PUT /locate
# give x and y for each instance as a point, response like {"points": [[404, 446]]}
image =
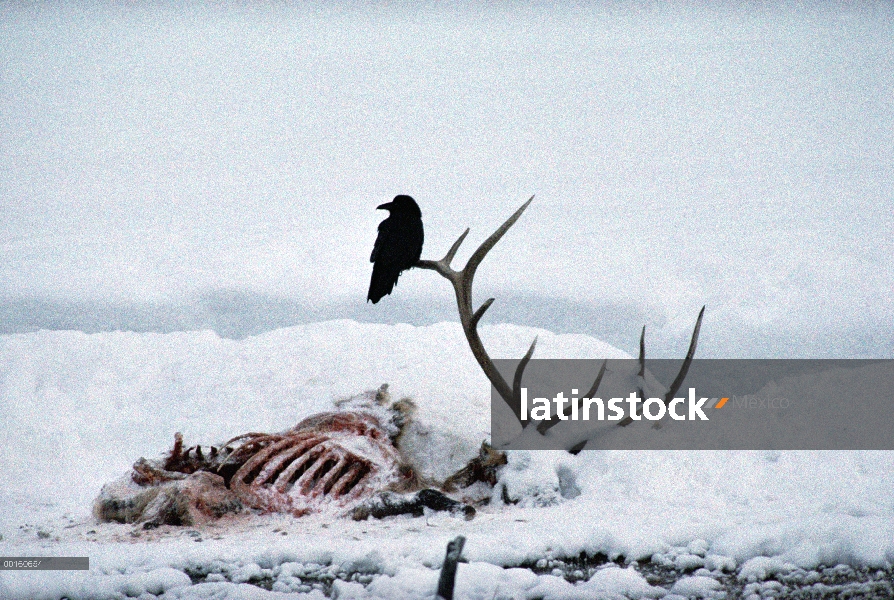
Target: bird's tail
{"points": [[380, 285]]}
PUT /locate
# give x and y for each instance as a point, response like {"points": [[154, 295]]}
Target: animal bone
{"points": [[330, 458], [462, 287], [343, 462]]}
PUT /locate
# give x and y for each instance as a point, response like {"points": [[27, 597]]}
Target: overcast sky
{"points": [[679, 157]]}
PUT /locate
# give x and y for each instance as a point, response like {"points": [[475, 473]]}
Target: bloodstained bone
{"points": [[343, 462], [331, 458]]}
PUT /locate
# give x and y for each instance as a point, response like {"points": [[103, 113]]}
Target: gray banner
{"points": [[44, 563], [721, 405]]}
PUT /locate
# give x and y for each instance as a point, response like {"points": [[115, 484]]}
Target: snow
{"points": [[614, 581], [79, 409], [696, 587], [761, 567]]}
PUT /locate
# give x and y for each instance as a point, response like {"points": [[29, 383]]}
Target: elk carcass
{"points": [[342, 463]]}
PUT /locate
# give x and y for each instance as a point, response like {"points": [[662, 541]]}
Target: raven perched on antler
{"points": [[398, 246]]}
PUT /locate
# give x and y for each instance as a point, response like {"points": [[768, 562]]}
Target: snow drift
{"points": [[78, 409]]}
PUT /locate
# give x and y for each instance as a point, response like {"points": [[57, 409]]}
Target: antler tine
{"points": [[516, 381], [480, 312], [675, 386], [448, 258], [642, 353], [596, 383], [545, 426], [443, 266], [641, 377], [484, 248]]}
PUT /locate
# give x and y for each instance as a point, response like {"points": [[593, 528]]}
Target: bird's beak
{"points": [[386, 206]]}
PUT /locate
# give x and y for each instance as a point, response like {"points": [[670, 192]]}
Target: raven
{"points": [[398, 246]]}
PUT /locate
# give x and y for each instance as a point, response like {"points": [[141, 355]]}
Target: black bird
{"points": [[398, 246]]}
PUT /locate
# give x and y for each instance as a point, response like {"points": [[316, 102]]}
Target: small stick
{"points": [[448, 572]]}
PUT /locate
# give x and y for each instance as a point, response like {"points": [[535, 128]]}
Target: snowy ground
{"points": [[79, 409]]}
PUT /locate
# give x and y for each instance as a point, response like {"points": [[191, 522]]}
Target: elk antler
{"points": [[462, 285]]}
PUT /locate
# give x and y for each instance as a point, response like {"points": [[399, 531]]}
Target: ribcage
{"points": [[329, 460]]}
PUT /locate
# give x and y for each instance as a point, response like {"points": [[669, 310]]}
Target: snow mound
{"points": [[79, 409]]}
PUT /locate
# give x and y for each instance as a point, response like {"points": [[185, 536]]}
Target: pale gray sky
{"points": [[680, 156]]}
